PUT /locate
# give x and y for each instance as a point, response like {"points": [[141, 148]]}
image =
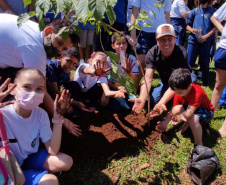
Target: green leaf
{"points": [[129, 78], [61, 31], [97, 8], [82, 9], [105, 26], [22, 19], [153, 13], [26, 2], [111, 15], [112, 2], [65, 34], [130, 88], [77, 29], [113, 56], [122, 81], [60, 6], [41, 24], [115, 70], [131, 27], [138, 27], [98, 24]]}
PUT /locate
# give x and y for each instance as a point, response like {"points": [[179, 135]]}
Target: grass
{"points": [[168, 158]]}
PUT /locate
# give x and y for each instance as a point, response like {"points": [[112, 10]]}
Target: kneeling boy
{"points": [[191, 105]]}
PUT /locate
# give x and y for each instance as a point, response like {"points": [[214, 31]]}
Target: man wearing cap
{"points": [[164, 57]]}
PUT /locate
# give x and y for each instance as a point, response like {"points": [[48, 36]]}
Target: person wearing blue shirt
{"points": [[120, 10], [201, 28], [58, 71]]}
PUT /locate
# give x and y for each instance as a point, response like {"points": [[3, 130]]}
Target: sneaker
{"points": [[218, 107]]}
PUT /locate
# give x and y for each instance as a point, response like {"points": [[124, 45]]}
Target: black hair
{"points": [[114, 38], [60, 23], [180, 79], [28, 70], [71, 52]]}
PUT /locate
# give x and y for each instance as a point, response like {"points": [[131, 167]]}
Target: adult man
{"points": [[146, 38], [165, 57], [28, 47]]}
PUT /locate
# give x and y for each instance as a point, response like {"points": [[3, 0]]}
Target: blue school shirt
{"points": [[54, 73], [200, 17], [88, 26], [120, 10]]}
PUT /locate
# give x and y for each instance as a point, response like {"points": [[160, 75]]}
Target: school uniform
{"points": [[200, 18], [177, 21]]}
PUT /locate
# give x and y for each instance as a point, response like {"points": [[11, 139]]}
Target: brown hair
{"points": [[28, 70], [98, 53]]}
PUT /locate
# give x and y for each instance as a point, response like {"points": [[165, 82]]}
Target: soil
{"points": [[110, 135]]}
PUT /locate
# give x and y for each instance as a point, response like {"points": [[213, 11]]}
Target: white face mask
{"points": [[29, 100]]}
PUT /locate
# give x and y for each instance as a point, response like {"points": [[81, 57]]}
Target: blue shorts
{"points": [[146, 41], [204, 115], [33, 167], [220, 58]]}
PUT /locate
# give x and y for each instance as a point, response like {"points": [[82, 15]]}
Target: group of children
{"points": [[91, 86]]}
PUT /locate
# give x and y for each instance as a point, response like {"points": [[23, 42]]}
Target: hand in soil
{"points": [[72, 128], [138, 105]]}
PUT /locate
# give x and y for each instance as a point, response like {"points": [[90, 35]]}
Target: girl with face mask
{"points": [[26, 123]]}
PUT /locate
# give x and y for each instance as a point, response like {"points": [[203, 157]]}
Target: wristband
{"points": [[58, 121]]}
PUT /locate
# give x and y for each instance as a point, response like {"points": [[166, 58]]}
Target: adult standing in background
{"points": [[178, 16], [147, 38], [103, 38], [220, 61]]}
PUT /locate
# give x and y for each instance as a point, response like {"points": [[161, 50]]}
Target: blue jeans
{"points": [[146, 41], [203, 50], [223, 98]]}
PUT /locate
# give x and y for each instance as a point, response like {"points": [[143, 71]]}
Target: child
{"points": [[201, 28], [120, 46], [58, 71], [191, 105], [86, 40], [91, 84], [27, 123]]}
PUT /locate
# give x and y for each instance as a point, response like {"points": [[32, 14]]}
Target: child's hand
{"points": [[72, 128], [4, 94], [120, 93], [177, 118], [57, 118], [129, 65], [100, 68], [202, 38], [64, 102], [195, 31], [159, 107], [81, 106]]}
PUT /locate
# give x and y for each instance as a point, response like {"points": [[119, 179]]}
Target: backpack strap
{"points": [[3, 134]]}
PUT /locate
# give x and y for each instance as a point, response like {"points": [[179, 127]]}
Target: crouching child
{"points": [[190, 105]]}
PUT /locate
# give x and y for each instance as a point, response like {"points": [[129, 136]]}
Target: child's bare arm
{"points": [[53, 88], [185, 115], [192, 30], [109, 93]]}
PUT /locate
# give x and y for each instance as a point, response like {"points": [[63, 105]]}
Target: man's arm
{"points": [[144, 92]]}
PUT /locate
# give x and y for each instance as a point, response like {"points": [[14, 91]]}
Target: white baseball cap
{"points": [[165, 29]]}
